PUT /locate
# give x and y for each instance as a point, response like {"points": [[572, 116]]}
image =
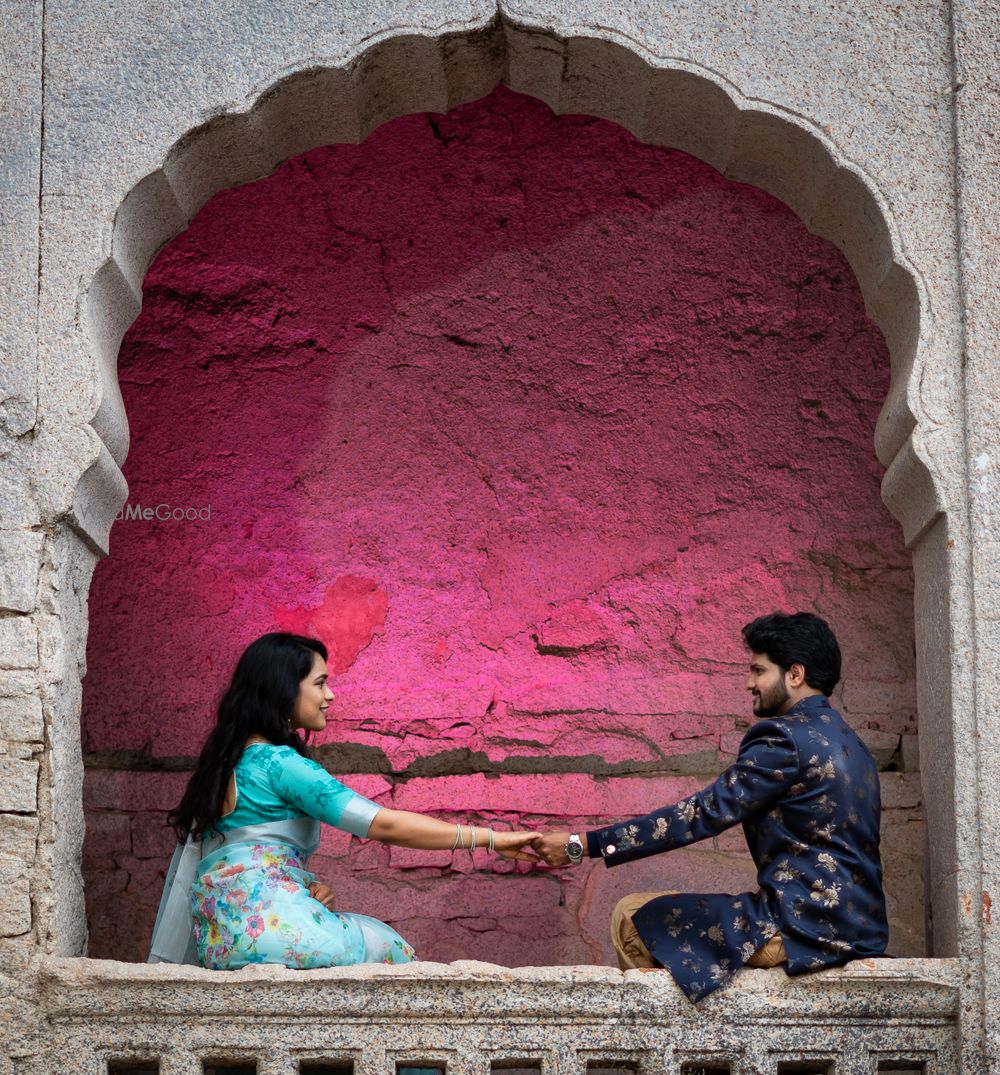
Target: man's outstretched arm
{"points": [[767, 765]]}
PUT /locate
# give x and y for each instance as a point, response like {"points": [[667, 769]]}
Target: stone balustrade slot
{"points": [[704, 1065], [825, 1066]]}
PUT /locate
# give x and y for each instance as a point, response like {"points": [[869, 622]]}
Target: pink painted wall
{"points": [[525, 419]]}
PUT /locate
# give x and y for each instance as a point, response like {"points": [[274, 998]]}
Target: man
{"points": [[806, 791]]}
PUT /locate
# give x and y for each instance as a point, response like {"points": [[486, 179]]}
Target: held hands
{"points": [[512, 845], [534, 847], [551, 848]]}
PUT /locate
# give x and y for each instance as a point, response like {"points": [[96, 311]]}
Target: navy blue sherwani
{"points": [[806, 790]]}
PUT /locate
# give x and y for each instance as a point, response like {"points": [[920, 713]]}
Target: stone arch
{"points": [[671, 103], [677, 105]]}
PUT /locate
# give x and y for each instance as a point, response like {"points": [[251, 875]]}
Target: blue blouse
{"points": [[276, 783]]}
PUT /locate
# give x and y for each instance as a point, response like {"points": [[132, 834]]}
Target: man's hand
{"points": [[551, 848], [322, 893], [513, 845]]}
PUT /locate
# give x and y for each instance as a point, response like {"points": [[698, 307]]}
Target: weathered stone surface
{"points": [[884, 746], [150, 836], [18, 642], [909, 749], [20, 175], [881, 117], [974, 29], [518, 596], [113, 789], [18, 785], [904, 851], [18, 838], [21, 719], [15, 907], [17, 684], [20, 551], [109, 836], [420, 1012]]}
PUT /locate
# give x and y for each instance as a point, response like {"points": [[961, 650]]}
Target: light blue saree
{"points": [[241, 894]]}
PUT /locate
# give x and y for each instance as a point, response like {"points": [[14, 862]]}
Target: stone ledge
{"points": [[894, 991]]}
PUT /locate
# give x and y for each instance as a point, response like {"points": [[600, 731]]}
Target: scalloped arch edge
{"points": [[663, 101]]}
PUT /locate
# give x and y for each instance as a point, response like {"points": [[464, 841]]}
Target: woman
{"points": [[238, 890]]}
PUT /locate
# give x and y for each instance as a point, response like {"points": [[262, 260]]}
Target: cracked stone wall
{"points": [[525, 419]]}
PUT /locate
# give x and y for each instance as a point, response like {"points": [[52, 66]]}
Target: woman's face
{"points": [[314, 699]]}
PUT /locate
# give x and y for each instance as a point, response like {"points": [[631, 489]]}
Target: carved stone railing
{"points": [[474, 1018]]}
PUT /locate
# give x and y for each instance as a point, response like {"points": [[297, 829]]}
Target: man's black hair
{"points": [[797, 638]]}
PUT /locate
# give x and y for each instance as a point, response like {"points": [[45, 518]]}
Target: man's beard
{"points": [[769, 703]]}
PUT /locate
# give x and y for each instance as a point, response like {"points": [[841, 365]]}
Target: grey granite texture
{"points": [[20, 170], [876, 123], [976, 42], [58, 902], [20, 552], [468, 1015]]}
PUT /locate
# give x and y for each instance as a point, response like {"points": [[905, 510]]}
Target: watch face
{"points": [[574, 849]]}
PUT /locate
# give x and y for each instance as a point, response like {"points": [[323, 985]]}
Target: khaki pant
{"points": [[632, 953]]}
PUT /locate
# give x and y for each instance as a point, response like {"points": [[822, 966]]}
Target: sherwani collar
{"points": [[809, 703]]}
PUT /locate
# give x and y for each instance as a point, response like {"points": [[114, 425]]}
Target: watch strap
{"points": [[575, 849]]}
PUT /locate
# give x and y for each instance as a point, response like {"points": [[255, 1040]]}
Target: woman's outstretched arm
{"points": [[406, 829], [307, 785]]}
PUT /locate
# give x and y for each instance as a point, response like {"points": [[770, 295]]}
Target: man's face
{"points": [[766, 683]]}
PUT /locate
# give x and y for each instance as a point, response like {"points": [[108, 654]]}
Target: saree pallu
{"points": [[243, 897]]}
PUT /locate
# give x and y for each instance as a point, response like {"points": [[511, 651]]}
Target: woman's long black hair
{"points": [[260, 700]]}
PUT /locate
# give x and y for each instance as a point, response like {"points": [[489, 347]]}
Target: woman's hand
{"points": [[322, 893], [514, 845]]}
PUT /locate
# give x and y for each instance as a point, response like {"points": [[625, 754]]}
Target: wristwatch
{"points": [[574, 849]]}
